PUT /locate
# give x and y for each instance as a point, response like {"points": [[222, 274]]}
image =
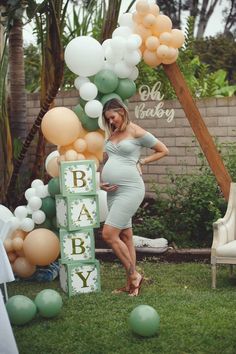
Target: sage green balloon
{"points": [[20, 309], [82, 102], [106, 81], [48, 302], [144, 321], [126, 88], [49, 207], [109, 97], [45, 225], [54, 186], [79, 111], [89, 124]]}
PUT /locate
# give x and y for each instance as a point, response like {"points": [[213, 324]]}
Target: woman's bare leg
{"points": [[126, 236]]}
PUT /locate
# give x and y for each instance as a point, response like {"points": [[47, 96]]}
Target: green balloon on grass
{"points": [[54, 186], [144, 321], [49, 207], [126, 88], [106, 81], [89, 124], [109, 97], [48, 302], [20, 309]]}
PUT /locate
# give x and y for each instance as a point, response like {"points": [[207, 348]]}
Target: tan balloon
{"points": [[89, 156], [19, 233], [61, 158], [53, 167], [95, 141], [177, 38], [151, 59], [170, 60], [7, 243], [70, 155], [149, 20], [162, 51], [163, 24], [63, 149], [80, 145], [99, 155], [80, 156], [154, 9], [12, 256], [61, 126], [17, 243], [165, 38], [152, 43], [142, 6], [41, 247], [142, 31], [23, 267], [137, 18]]}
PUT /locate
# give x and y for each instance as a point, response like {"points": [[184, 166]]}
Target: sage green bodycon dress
{"points": [[121, 169]]}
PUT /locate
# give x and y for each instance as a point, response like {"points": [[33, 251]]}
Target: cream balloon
{"points": [[163, 24], [151, 59], [177, 38], [61, 126], [95, 142], [71, 155], [23, 267], [152, 43], [80, 145]]}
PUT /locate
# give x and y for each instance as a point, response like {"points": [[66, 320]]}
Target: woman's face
{"points": [[114, 118]]}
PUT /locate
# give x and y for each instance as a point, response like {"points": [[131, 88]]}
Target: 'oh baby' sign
{"points": [[141, 111]]}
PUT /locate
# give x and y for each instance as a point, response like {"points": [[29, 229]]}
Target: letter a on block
{"points": [[84, 211], [83, 278]]}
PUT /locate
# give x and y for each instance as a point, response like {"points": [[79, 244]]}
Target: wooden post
{"points": [[199, 127]]}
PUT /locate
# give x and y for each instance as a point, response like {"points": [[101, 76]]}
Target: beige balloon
{"points": [[142, 31], [41, 247], [94, 141], [17, 243], [80, 145], [177, 38], [12, 256], [137, 18], [163, 24], [63, 149], [162, 51], [7, 243], [152, 43], [80, 156], [154, 9], [142, 6], [53, 167], [151, 59], [149, 20], [71, 155], [165, 38], [61, 126], [23, 267], [93, 157], [19, 233]]}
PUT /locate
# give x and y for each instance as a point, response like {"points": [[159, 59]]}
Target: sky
{"points": [[213, 25]]}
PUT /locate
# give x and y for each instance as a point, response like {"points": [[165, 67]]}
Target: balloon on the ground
{"points": [[84, 56], [54, 186], [20, 309], [23, 268], [41, 247], [60, 126], [144, 321], [48, 302]]}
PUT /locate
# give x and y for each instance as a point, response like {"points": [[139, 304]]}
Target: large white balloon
{"points": [[122, 69], [93, 108], [122, 31], [5, 213], [84, 56], [126, 20], [133, 57]]}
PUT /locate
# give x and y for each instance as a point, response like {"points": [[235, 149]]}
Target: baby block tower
{"points": [[77, 216]]}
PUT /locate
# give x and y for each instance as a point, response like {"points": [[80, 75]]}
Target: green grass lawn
{"points": [[193, 317]]}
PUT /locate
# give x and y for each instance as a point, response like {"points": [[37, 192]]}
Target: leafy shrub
{"points": [[183, 212]]}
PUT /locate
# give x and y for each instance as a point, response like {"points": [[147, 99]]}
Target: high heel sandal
{"points": [[133, 288]]}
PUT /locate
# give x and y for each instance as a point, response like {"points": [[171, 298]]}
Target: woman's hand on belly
{"points": [[108, 187]]}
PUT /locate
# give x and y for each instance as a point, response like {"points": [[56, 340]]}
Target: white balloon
{"points": [[126, 19], [93, 108], [38, 217], [132, 58], [35, 203], [30, 192], [111, 56], [122, 31], [134, 41], [27, 225], [98, 180], [84, 56], [88, 91], [29, 210], [36, 183], [118, 44], [106, 43], [51, 156], [102, 200], [79, 81], [5, 213], [134, 74], [42, 191], [100, 123], [108, 66], [21, 212], [122, 69], [15, 222]]}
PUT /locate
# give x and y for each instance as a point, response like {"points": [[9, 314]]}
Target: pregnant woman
{"points": [[121, 179]]}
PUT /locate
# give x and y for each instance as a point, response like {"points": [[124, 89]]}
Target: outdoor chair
{"points": [[223, 250]]}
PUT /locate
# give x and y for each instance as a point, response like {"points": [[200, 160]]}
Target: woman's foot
{"points": [[125, 289], [135, 285]]}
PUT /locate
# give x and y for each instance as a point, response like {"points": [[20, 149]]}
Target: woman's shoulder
{"points": [[137, 131]]}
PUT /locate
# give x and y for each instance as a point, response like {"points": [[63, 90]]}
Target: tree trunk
{"points": [[110, 23], [205, 15]]}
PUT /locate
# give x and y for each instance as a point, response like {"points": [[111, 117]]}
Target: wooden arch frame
{"points": [[199, 127]]}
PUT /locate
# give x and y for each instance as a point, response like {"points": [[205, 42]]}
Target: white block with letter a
{"points": [[77, 177], [80, 277], [77, 245], [77, 211]]}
